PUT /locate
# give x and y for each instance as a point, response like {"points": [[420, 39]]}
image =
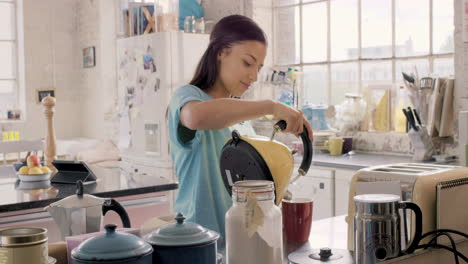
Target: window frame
{"points": [[19, 59], [359, 60]]}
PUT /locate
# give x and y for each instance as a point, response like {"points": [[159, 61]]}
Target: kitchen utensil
{"points": [[262, 158], [408, 78], [113, 247], [297, 219], [334, 146], [377, 229], [253, 225], [412, 118], [21, 245], [183, 242], [323, 255], [416, 115], [82, 213], [347, 144]]}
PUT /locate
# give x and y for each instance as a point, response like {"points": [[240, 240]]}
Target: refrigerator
{"points": [[150, 68]]}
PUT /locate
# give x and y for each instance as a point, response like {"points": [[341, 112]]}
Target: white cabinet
{"points": [[318, 185], [342, 182]]}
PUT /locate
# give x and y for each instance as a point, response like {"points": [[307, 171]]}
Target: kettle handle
{"points": [[308, 150], [118, 208], [418, 232]]}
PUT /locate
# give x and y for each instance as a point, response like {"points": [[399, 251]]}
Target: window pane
{"points": [[7, 21], [315, 84], [310, 1], [409, 66], [412, 27], [7, 87], [8, 99], [376, 28], [443, 26], [285, 2], [344, 80], [7, 55], [344, 29], [376, 72], [314, 32], [443, 67], [287, 35]]}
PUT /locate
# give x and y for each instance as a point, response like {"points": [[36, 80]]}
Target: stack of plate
{"points": [[320, 137]]}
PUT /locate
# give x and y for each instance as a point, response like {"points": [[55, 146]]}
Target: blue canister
{"points": [[183, 242], [315, 114], [113, 247]]}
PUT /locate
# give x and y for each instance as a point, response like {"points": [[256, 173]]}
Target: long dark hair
{"points": [[228, 31]]}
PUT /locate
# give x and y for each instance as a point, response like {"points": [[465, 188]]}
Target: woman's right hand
{"points": [[295, 120]]}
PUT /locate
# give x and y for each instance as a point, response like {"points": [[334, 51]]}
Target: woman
{"points": [[200, 114]]}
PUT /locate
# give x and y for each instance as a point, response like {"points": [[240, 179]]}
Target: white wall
{"points": [[97, 27], [51, 58]]}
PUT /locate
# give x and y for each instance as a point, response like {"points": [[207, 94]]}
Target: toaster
{"points": [[418, 184]]}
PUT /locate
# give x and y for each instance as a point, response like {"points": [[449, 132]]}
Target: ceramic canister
{"points": [[183, 242], [113, 247], [21, 245]]}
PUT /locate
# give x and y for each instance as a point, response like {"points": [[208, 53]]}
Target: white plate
{"points": [[34, 177]]}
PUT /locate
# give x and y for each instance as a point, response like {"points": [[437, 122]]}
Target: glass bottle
{"points": [[254, 225]]}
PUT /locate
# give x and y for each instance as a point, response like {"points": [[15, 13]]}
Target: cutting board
{"points": [[447, 116]]}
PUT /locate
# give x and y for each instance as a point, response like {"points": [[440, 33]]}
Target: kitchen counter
{"points": [[17, 196], [329, 232], [362, 160], [332, 233]]}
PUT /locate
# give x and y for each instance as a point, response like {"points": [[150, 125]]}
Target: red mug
{"points": [[297, 219]]}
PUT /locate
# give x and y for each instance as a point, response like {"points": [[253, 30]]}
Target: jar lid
{"points": [[112, 246], [181, 234], [253, 185], [377, 198], [22, 236]]}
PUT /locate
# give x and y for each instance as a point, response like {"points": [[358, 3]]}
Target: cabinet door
{"points": [[318, 186], [342, 183]]}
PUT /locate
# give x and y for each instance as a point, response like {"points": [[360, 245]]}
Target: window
{"points": [[12, 60], [344, 45]]}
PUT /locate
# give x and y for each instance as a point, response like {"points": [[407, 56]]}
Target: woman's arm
{"points": [[224, 112]]}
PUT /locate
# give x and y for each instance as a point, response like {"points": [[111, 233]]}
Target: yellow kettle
{"points": [[262, 158]]}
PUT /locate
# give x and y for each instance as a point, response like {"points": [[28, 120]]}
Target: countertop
{"points": [[17, 195], [329, 232], [362, 160], [332, 233]]}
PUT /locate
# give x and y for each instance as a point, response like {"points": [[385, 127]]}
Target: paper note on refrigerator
{"points": [[124, 131]]}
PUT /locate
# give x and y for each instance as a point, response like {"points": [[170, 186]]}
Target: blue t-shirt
{"points": [[202, 197]]}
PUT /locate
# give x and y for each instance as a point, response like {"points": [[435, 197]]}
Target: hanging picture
{"points": [[43, 93], [89, 57]]}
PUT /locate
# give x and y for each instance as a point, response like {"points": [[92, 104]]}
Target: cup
{"points": [[297, 219], [347, 144], [334, 145]]}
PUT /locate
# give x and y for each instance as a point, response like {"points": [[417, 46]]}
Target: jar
{"points": [[183, 242], [254, 225], [23, 245], [113, 248], [167, 15]]}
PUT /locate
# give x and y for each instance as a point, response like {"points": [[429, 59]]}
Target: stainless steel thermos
{"points": [[377, 229]]}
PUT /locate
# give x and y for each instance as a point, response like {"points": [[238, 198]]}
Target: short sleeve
{"points": [[182, 96]]}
